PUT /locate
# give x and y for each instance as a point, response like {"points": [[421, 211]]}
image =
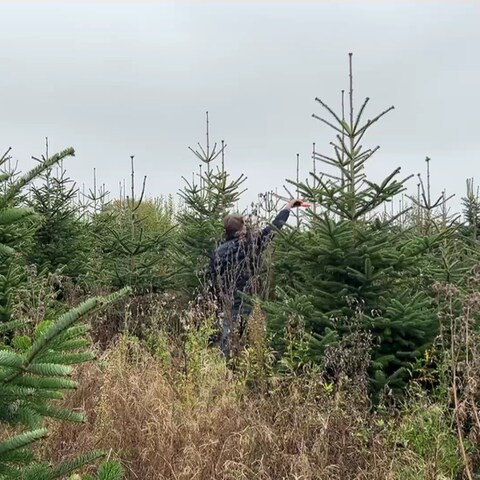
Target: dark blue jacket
{"points": [[235, 262]]}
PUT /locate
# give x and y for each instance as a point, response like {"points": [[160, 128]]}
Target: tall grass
{"points": [[171, 413]]}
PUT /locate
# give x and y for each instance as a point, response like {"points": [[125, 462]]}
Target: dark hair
{"points": [[233, 225]]}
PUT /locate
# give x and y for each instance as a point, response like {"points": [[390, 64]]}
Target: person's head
{"points": [[234, 226]]}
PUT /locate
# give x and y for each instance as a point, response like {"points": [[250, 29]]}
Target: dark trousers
{"points": [[234, 322]]}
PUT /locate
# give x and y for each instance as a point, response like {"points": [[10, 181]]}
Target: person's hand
{"points": [[295, 202]]}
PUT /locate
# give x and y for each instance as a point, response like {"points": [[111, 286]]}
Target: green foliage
{"points": [[35, 376], [109, 470], [16, 228], [471, 211], [424, 432], [130, 245], [331, 273]]}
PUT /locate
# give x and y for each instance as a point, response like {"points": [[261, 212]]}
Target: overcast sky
{"points": [[115, 80]]}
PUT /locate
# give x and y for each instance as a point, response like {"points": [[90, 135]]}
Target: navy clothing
{"points": [[233, 270]]}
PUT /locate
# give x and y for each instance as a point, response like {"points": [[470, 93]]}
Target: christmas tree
{"points": [[353, 267], [60, 241], [131, 236], [207, 198]]}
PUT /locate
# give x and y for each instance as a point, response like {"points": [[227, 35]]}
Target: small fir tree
{"points": [[131, 239], [471, 212], [61, 241], [13, 233], [451, 259], [207, 198]]}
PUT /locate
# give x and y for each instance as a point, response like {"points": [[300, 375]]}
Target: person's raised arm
{"points": [[280, 219]]}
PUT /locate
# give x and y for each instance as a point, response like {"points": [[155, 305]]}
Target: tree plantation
{"points": [[358, 358]]}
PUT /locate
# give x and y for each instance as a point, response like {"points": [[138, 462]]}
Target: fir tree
{"points": [[471, 212], [60, 242], [351, 262], [451, 259], [207, 198], [13, 233], [131, 239]]}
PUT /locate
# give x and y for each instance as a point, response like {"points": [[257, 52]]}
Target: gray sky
{"points": [[113, 80]]}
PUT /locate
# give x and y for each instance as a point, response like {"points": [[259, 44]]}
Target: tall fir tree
{"points": [[352, 266]]}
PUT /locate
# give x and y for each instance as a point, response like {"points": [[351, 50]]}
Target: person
{"points": [[234, 266]]}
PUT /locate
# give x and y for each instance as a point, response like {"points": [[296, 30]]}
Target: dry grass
{"points": [[204, 424], [174, 410]]}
